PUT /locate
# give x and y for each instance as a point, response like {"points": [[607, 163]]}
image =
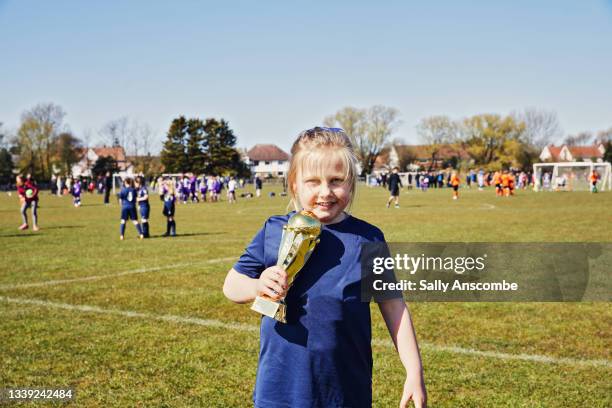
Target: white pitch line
{"points": [[113, 275], [254, 329]]}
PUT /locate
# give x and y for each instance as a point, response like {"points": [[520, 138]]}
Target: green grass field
{"points": [[144, 323]]}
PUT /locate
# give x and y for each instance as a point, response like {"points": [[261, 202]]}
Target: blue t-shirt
{"points": [[322, 357], [142, 191], [128, 197]]}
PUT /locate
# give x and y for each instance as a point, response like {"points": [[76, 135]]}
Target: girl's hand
{"points": [[414, 389], [272, 283]]}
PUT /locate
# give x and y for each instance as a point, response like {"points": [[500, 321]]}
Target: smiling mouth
{"points": [[325, 204]]}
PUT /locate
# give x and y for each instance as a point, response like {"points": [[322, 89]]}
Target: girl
{"points": [[76, 193], [231, 190], [127, 196], [322, 357], [28, 197], [143, 204], [203, 188], [455, 181], [168, 211]]}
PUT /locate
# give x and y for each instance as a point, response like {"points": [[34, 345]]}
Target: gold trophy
{"points": [[300, 236]]}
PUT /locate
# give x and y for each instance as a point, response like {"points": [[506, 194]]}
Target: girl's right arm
{"points": [[241, 288]]}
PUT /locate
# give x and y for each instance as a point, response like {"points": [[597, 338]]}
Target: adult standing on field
{"points": [[108, 184], [258, 185], [394, 185]]}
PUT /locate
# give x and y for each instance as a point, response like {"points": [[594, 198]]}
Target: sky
{"points": [[274, 68]]}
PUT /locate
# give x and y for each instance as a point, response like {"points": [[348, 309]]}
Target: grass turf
{"points": [[127, 360]]}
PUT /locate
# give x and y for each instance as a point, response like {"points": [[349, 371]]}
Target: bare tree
{"points": [[382, 122], [437, 131], [541, 126], [116, 131], [604, 136], [369, 130], [581, 138], [36, 137], [354, 122]]}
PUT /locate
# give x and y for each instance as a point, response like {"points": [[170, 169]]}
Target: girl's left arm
{"points": [[398, 321]]}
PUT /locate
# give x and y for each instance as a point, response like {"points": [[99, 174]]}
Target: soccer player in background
{"points": [[455, 181], [127, 196], [76, 193], [395, 183], [505, 183], [28, 198], [511, 183], [231, 190], [594, 177], [497, 182], [169, 208], [142, 197]]}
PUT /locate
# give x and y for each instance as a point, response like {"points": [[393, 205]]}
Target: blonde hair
{"points": [[311, 147]]}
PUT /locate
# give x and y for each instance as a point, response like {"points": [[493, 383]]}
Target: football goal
{"points": [[570, 176]]}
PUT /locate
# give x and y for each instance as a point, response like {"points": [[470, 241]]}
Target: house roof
{"points": [[555, 152], [577, 152], [267, 152], [421, 153], [117, 152], [585, 151]]}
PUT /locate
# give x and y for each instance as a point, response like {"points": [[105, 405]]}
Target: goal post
{"points": [[570, 176]]}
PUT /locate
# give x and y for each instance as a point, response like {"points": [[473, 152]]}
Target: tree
{"points": [[104, 164], [369, 130], [435, 132], [197, 159], [608, 152], [36, 138], [173, 154], [116, 131], [604, 136], [541, 126], [222, 156], [405, 155], [68, 151], [6, 166], [494, 141], [581, 138]]}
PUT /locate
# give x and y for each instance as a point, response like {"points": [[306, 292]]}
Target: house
{"points": [[565, 153], [91, 154], [415, 157], [267, 161]]}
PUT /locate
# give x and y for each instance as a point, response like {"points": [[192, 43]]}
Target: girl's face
{"points": [[324, 191]]}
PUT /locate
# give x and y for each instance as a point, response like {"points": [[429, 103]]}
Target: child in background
{"points": [[143, 204], [127, 196], [455, 181], [231, 190], [394, 187], [322, 356], [203, 188], [497, 181], [505, 183], [594, 177], [28, 198], [76, 193], [511, 183], [218, 188], [169, 207]]}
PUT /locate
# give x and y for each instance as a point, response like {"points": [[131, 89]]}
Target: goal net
{"points": [[571, 176], [408, 178]]}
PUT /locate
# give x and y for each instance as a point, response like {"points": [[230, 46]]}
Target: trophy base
{"points": [[270, 308]]}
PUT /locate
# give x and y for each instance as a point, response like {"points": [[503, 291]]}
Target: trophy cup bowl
{"points": [[300, 236]]}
